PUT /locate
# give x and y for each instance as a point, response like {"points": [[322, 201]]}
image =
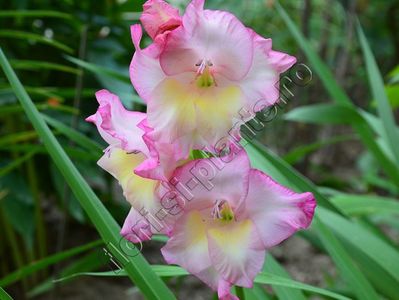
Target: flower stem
{"points": [[240, 292]]}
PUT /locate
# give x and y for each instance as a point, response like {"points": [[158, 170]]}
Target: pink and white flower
{"points": [[159, 18], [224, 233], [133, 159], [199, 75]]}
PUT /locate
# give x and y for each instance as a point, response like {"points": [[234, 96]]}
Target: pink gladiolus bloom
{"points": [[235, 215], [199, 76], [159, 18], [134, 161]]}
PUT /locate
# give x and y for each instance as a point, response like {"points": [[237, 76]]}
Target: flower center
{"points": [[204, 75], [223, 211]]}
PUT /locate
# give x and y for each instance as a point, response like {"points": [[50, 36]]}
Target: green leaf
{"points": [[323, 114], [361, 205], [17, 162], [45, 262], [392, 92], [338, 114], [12, 109], [160, 270], [339, 96], [74, 135], [111, 79], [262, 278], [87, 263], [37, 91], [37, 65], [137, 267], [298, 153], [15, 34], [68, 200], [18, 206], [98, 69], [382, 280], [356, 235], [160, 238], [378, 90], [35, 14], [4, 295], [71, 151], [319, 66], [349, 271], [17, 137], [274, 280], [256, 293], [273, 267], [362, 245], [284, 173]]}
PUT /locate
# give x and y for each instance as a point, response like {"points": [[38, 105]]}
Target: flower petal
{"points": [[281, 61], [236, 251], [203, 181], [276, 211], [213, 279], [162, 165], [190, 116], [172, 113], [136, 228], [118, 126], [145, 70], [261, 85], [208, 35], [224, 292], [159, 17], [188, 245], [138, 191]]}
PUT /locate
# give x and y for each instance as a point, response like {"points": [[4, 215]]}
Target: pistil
{"points": [[204, 75]]}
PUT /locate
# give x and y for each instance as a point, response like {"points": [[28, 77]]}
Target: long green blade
{"points": [[384, 257], [35, 14], [45, 262], [17, 162], [378, 90], [300, 152], [36, 65], [16, 34], [160, 270], [269, 278], [339, 96], [4, 295], [357, 236], [74, 135], [98, 69], [283, 293], [348, 269], [137, 267], [262, 278], [364, 205]]}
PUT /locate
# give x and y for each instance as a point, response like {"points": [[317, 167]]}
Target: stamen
{"points": [[205, 76], [223, 211], [216, 208], [201, 67]]}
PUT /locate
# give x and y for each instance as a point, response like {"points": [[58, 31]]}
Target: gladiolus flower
{"points": [[235, 215], [202, 74], [134, 161], [159, 18]]}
